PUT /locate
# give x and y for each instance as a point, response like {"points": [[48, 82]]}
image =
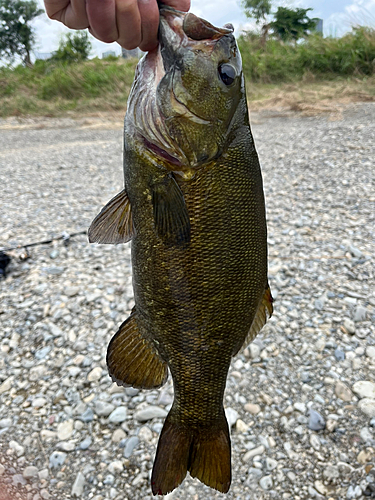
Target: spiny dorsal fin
{"points": [[114, 223], [172, 223], [264, 312], [133, 360]]}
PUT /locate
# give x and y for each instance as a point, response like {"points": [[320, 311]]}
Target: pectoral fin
{"points": [[264, 312], [171, 218], [114, 223], [133, 360]]}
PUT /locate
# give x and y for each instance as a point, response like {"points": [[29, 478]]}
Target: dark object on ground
{"points": [[4, 262]]}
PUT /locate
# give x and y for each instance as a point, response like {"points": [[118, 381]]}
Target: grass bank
{"points": [[54, 89], [305, 76]]}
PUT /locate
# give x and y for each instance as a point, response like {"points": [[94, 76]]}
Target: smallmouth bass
{"points": [[193, 208]]}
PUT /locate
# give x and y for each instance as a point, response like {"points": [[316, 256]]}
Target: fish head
{"points": [[187, 90]]}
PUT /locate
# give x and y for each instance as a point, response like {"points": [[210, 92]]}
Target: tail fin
{"points": [[205, 453]]}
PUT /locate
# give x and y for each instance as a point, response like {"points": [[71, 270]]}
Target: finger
{"points": [[71, 13], [102, 18], [128, 24], [183, 5], [149, 13]]}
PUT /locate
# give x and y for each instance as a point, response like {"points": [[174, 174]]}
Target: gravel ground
{"points": [[301, 399]]}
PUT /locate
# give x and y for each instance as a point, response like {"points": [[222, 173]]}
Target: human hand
{"points": [[131, 23]]}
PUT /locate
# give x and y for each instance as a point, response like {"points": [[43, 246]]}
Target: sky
{"points": [[338, 17]]}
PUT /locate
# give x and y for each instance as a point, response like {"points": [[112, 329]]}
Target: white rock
{"points": [[116, 467], [20, 450], [364, 389], [367, 406], [301, 407], [253, 453], [118, 435], [95, 374], [315, 442], [145, 434], [370, 351], [118, 415], [6, 385], [103, 409], [266, 482], [241, 426], [30, 472], [149, 413], [254, 350], [232, 416], [271, 464], [254, 409], [65, 430], [39, 402], [77, 489]]}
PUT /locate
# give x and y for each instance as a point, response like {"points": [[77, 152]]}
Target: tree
{"points": [[292, 24], [17, 37], [74, 47], [259, 10]]}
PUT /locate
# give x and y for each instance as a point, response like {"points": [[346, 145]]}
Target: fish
{"points": [[193, 208]]}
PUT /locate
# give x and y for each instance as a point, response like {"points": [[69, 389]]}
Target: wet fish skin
{"points": [[193, 207]]}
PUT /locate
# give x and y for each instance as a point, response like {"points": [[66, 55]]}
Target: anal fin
{"points": [[133, 360], [114, 223]]}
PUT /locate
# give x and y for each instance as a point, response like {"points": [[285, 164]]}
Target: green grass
{"points": [[324, 58], [52, 88], [302, 71]]}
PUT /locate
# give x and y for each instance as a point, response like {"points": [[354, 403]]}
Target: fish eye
{"points": [[227, 73]]}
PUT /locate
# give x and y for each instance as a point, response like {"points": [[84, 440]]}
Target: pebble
{"points": [[253, 453], [254, 409], [116, 467], [364, 389], [78, 485], [56, 459], [232, 416], [241, 426], [353, 492], [65, 430], [271, 464], [86, 443], [266, 482], [87, 415], [17, 448], [103, 409], [367, 406], [316, 421], [130, 444], [315, 442], [349, 325], [145, 434], [118, 415], [343, 392], [360, 314], [149, 413], [95, 374], [30, 472], [118, 435]]}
